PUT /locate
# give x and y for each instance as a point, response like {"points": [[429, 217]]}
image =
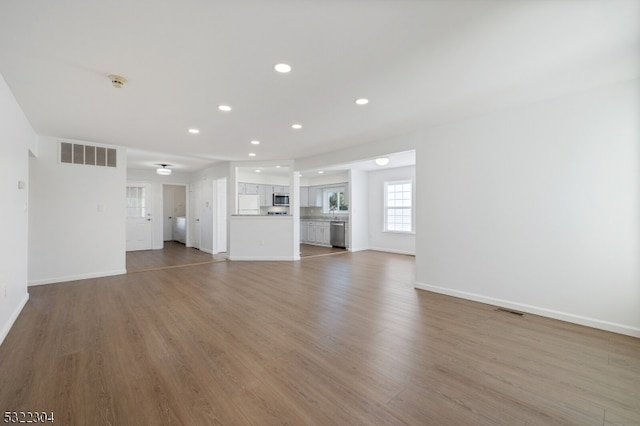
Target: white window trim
{"points": [[325, 200], [386, 184]]}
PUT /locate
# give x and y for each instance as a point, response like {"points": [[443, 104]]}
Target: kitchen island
{"points": [[263, 237]]}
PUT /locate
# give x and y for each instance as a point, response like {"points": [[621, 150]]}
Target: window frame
{"points": [[386, 206], [326, 203], [138, 203]]}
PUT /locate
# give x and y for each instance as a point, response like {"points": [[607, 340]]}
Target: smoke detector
{"points": [[117, 80]]}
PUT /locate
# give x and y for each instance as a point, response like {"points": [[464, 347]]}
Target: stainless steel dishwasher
{"points": [[337, 234]]}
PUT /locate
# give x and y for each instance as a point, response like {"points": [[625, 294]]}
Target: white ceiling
{"points": [[420, 63]]}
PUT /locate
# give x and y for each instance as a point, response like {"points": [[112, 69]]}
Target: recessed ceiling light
{"points": [[296, 126], [362, 101], [194, 131], [258, 170], [382, 161], [282, 68], [277, 167], [320, 172], [225, 108], [252, 154], [255, 142]]}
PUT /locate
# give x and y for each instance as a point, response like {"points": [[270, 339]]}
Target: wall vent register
{"points": [[74, 153]]}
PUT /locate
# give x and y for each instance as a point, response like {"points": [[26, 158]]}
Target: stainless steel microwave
{"points": [[281, 200]]}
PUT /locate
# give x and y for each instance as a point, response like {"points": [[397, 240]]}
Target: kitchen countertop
{"points": [[326, 219], [261, 215]]}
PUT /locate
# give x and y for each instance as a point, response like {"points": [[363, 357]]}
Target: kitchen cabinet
{"points": [[315, 232], [304, 196], [304, 231], [179, 229], [252, 188], [325, 233], [315, 196], [266, 198], [248, 188]]}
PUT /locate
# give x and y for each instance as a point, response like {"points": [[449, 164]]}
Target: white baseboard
{"points": [[549, 313], [262, 259], [76, 277], [387, 250], [12, 319]]}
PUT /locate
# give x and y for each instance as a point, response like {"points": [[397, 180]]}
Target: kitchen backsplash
{"points": [[313, 212]]}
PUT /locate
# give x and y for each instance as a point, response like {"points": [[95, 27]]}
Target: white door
{"points": [[168, 212], [194, 202], [206, 216], [138, 210], [221, 215]]}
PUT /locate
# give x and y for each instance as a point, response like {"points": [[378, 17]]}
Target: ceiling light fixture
{"points": [[194, 131], [362, 101], [117, 80], [383, 161], [163, 170], [255, 142], [320, 172], [252, 154], [282, 68], [225, 108], [258, 171], [296, 126]]}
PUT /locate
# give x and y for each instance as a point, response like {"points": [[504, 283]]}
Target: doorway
{"points": [[174, 212]]}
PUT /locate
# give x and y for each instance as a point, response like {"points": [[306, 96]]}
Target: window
{"points": [[136, 201], [398, 206], [335, 200]]}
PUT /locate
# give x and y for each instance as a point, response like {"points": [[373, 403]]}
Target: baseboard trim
{"points": [[76, 277], [536, 310], [262, 259], [12, 319], [386, 250]]}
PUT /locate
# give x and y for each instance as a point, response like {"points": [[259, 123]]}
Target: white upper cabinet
{"points": [[304, 196]]}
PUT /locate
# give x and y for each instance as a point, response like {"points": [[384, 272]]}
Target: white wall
{"points": [[358, 210], [76, 217], [263, 238], [388, 241], [324, 179], [250, 176], [538, 208], [16, 139]]}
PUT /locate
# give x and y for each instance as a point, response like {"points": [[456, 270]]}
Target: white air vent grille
{"points": [[74, 153]]}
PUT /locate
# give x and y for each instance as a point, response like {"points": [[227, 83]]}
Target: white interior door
{"points": [[195, 197], [168, 212], [221, 215], [138, 210]]}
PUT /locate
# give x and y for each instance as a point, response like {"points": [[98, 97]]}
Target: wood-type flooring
{"points": [[310, 250], [173, 254], [329, 340]]}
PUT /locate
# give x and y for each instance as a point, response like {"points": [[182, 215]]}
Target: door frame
{"points": [[186, 208]]}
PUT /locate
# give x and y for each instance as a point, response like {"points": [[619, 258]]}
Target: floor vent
{"points": [[510, 311], [75, 153]]}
